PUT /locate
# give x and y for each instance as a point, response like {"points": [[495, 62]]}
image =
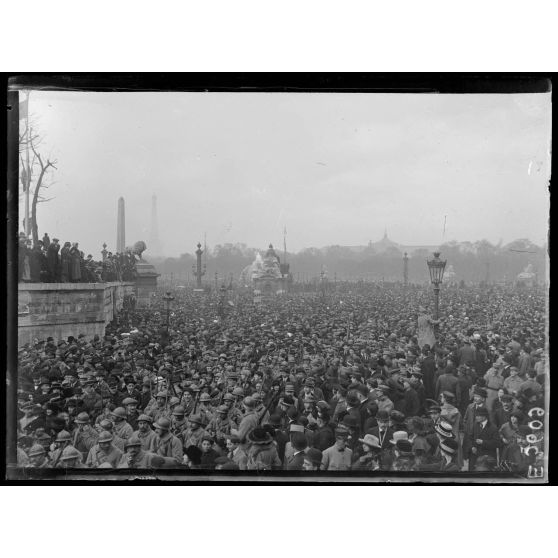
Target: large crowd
{"points": [[341, 381], [47, 261]]}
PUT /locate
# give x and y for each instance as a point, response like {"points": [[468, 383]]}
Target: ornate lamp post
{"points": [[436, 267], [197, 269], [168, 298]]}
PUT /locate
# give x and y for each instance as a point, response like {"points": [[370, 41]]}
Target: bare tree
{"points": [[40, 184]]}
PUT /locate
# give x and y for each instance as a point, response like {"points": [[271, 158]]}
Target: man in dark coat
{"points": [[46, 241], [484, 438], [53, 260], [428, 370], [383, 431], [324, 436]]}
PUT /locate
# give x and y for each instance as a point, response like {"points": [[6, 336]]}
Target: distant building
{"points": [[387, 245]]}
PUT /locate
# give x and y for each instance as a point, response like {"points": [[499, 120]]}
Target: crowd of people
{"points": [[47, 261], [343, 381]]}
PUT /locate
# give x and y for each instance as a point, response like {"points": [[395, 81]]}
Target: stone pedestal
{"points": [[146, 283]]}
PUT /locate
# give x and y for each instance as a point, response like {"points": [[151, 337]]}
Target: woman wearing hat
{"points": [[368, 458], [262, 452]]}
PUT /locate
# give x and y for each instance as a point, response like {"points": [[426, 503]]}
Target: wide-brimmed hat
{"points": [[399, 435], [259, 436], [371, 440]]}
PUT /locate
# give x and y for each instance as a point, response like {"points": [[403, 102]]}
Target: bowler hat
{"points": [[480, 391], [382, 415], [481, 412]]}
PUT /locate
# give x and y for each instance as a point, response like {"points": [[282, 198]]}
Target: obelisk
{"points": [[121, 227]]}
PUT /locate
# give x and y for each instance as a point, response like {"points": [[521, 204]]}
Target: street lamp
{"points": [[436, 267], [168, 298], [405, 269]]}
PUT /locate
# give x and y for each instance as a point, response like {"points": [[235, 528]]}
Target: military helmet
{"points": [[105, 436], [204, 398], [36, 450], [179, 411], [133, 440], [70, 453], [163, 423], [145, 418], [82, 418], [129, 401], [119, 412], [63, 436], [223, 409]]}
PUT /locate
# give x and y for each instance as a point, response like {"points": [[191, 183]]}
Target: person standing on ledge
{"points": [[426, 328]]}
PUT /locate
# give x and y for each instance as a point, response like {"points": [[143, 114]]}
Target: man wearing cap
{"points": [[483, 440], [104, 452], [338, 457], [165, 443], [131, 406]]}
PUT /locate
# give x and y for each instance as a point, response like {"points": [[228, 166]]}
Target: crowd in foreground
{"points": [[342, 381], [47, 261]]}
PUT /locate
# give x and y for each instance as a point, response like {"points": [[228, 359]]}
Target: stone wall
{"points": [[61, 309]]}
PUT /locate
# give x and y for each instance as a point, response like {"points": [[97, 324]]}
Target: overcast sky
{"points": [[332, 168]]}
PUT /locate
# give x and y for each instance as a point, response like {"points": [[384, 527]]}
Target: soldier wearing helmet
{"points": [[234, 414], [165, 443], [84, 436], [144, 432], [104, 451], [178, 421], [71, 458], [121, 427], [205, 409], [63, 440], [137, 458], [193, 435], [220, 423], [38, 457], [161, 408]]}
